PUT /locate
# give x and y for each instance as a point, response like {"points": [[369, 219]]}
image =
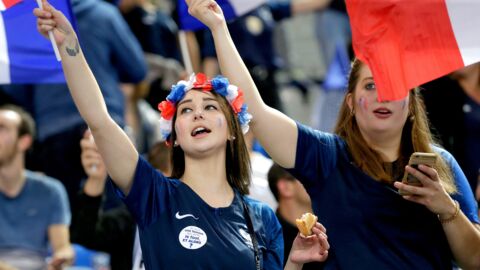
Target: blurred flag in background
{"points": [[408, 43], [25, 55]]}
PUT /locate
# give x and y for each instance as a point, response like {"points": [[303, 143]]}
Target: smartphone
{"points": [[416, 159]]}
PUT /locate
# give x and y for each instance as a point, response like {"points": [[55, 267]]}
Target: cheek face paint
{"points": [[363, 103], [219, 122]]}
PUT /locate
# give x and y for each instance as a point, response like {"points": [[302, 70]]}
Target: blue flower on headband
{"points": [[177, 93], [243, 116], [220, 84]]}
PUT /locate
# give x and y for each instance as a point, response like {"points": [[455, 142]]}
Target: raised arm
{"points": [[272, 128], [116, 149]]}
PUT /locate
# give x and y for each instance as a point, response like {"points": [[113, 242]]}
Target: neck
{"points": [[290, 210], [386, 144], [12, 177], [208, 178]]}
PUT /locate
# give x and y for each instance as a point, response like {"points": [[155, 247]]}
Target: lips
{"points": [[382, 112], [200, 130]]}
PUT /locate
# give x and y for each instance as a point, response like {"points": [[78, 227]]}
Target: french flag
{"points": [[231, 10], [25, 55], [408, 43], [4, 4]]}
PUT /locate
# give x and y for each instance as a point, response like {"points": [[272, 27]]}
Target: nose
{"points": [[198, 115]]}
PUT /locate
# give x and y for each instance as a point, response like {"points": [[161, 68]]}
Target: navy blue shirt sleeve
{"points": [[149, 195], [316, 155], [464, 194]]}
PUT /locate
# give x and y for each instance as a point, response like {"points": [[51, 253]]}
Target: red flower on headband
{"points": [[238, 102], [167, 109], [202, 82]]}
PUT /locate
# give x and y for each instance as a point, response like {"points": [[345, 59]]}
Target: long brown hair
{"points": [[237, 158], [416, 137]]}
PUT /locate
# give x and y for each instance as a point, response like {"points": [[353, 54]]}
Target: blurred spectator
{"points": [[155, 30], [333, 33], [34, 208], [253, 36], [111, 230], [114, 56], [293, 202], [142, 122], [453, 107]]}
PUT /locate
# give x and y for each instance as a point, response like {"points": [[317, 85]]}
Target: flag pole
{"points": [[187, 61], [52, 38]]}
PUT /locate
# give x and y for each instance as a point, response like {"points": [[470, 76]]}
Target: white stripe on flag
{"points": [[243, 6], [465, 19], [2, 6], [4, 60]]}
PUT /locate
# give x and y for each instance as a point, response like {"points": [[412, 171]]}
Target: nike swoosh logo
{"points": [[178, 216]]}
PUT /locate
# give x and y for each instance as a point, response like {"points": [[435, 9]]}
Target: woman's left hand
{"points": [[431, 194], [310, 248]]}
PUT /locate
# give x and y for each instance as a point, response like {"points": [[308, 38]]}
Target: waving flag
{"points": [[407, 43], [4, 4], [231, 9], [26, 56]]}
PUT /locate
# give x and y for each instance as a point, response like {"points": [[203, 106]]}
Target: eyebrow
{"points": [[367, 78], [190, 100]]}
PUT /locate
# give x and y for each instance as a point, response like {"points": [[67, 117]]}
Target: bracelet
{"points": [[451, 218]]}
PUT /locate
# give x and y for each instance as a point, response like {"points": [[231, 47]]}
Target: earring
{"points": [[231, 138], [352, 112], [175, 144]]}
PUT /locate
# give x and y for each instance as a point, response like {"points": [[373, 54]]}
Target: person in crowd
{"points": [[111, 51], [458, 127], [293, 202], [111, 230], [201, 209], [253, 33], [351, 176], [34, 209]]}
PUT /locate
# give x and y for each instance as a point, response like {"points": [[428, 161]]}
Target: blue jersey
{"points": [[25, 219], [370, 226], [178, 230]]}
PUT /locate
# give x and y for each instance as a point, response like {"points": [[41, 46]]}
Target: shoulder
{"points": [[447, 156], [261, 209], [43, 182]]}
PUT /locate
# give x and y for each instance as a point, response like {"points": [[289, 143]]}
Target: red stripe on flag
{"points": [[10, 3], [405, 43]]}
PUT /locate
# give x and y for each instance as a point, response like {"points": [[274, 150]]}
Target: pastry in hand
{"points": [[306, 223]]}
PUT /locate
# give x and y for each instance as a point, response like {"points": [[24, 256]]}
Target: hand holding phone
{"points": [[416, 159]]}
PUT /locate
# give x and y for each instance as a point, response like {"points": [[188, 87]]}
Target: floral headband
{"points": [[220, 84]]}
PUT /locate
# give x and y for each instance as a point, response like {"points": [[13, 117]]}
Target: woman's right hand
{"points": [[206, 11], [50, 19]]}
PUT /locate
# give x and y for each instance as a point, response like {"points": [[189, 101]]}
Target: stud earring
{"points": [[175, 144]]}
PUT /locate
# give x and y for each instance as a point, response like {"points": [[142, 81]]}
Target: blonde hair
{"points": [[416, 137]]}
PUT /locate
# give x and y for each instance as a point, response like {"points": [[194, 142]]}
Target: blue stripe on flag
{"points": [[187, 22], [32, 59], [336, 77]]}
